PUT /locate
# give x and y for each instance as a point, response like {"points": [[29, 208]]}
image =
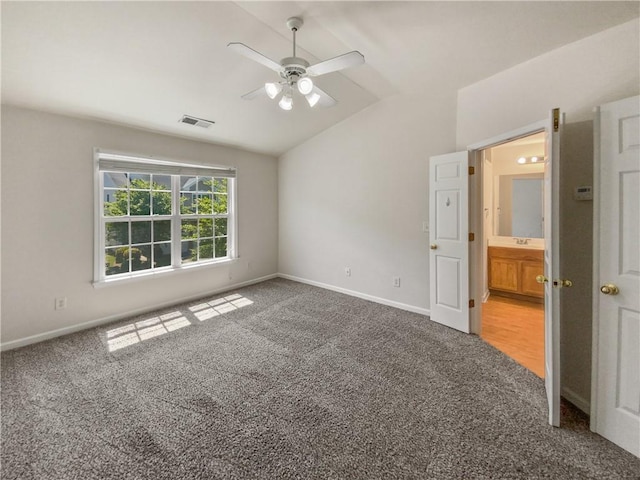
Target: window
{"points": [[156, 216]]}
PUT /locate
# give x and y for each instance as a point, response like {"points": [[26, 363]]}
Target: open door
{"points": [[552, 267], [449, 244], [615, 394], [448, 238]]}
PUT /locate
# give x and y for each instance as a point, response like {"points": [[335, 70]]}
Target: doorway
{"points": [[513, 249]]}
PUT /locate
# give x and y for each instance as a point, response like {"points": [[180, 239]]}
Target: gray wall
{"points": [[356, 196], [48, 223]]}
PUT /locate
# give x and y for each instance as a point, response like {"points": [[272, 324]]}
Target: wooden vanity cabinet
{"points": [[513, 271]]}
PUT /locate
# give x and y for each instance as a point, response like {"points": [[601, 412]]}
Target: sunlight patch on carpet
{"points": [[158, 325]]}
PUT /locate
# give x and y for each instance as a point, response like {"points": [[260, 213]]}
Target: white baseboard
{"points": [[21, 342], [353, 293], [578, 400], [485, 297]]}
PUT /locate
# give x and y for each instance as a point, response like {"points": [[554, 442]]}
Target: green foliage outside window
{"points": [[129, 243]]}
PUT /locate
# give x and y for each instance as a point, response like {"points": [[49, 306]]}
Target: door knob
{"points": [[433, 246], [609, 289], [541, 279], [562, 283]]}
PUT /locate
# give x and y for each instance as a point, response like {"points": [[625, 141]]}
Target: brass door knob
{"points": [[609, 289], [541, 279], [433, 246], [562, 283]]}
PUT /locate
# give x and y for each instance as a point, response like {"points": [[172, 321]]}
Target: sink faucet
{"points": [[522, 241]]}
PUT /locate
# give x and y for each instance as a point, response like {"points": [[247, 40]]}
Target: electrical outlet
{"points": [[61, 303], [396, 281], [347, 271]]}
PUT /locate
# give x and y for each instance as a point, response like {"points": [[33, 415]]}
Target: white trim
{"points": [[21, 342], [485, 297], [353, 293], [216, 170], [537, 127], [475, 267], [578, 400], [165, 271], [595, 279]]}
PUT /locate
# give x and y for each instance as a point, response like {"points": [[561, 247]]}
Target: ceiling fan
{"points": [[296, 73]]}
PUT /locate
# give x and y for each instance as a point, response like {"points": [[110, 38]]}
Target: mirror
{"points": [[519, 209]]}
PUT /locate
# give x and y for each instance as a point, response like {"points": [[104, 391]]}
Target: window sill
{"points": [[161, 273]]}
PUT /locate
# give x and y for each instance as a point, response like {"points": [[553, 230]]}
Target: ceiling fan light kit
{"points": [[296, 72], [272, 89]]}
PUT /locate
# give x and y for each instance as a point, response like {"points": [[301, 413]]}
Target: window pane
{"points": [[220, 203], [188, 184], [220, 185], [140, 257], [221, 227], [206, 227], [134, 241], [161, 203], [140, 181], [162, 230], [140, 202], [187, 203], [189, 251], [189, 229], [161, 182], [115, 180], [117, 260], [116, 233], [221, 247], [140, 232], [116, 203], [205, 184], [162, 254], [206, 249], [205, 204]]}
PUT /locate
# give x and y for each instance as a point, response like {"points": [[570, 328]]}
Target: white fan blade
{"points": [[326, 100], [255, 93], [336, 63], [250, 53]]}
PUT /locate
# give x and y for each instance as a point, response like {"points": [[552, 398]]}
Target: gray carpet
{"points": [[283, 380]]}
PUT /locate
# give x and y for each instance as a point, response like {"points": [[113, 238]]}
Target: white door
{"points": [[448, 238], [616, 349], [552, 267]]}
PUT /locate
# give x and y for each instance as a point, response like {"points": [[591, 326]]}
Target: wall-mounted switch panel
{"points": [[347, 271]]}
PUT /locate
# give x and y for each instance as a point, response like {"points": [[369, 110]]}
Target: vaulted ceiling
{"points": [[145, 64]]}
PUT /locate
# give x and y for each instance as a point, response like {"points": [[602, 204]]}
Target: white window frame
{"points": [[109, 160]]}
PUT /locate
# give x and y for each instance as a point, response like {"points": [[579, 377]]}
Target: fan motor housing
{"points": [[293, 67]]}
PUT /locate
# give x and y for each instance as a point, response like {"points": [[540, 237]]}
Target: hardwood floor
{"points": [[516, 328]]}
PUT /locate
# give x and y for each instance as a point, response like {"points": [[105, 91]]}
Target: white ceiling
{"points": [[146, 64]]}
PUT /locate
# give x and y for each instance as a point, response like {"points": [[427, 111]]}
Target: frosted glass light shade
{"points": [[305, 85], [286, 102], [272, 89]]}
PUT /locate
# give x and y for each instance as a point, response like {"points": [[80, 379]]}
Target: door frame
{"points": [[475, 213]]}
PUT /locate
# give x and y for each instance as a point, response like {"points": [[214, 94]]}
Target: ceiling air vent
{"points": [[198, 122]]}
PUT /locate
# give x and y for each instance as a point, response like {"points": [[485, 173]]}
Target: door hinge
{"points": [[472, 170], [472, 236], [472, 303], [556, 119]]}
